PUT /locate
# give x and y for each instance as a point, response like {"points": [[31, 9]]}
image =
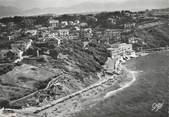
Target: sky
{"points": [[29, 4]]}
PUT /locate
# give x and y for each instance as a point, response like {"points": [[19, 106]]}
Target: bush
{"points": [[41, 84], [4, 103], [5, 69]]}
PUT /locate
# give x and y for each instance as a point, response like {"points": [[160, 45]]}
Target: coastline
{"points": [[131, 75], [137, 100], [126, 82]]}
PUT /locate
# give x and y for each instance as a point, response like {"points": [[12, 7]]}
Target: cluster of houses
{"points": [[53, 35], [14, 54], [74, 30], [63, 24], [58, 31]]}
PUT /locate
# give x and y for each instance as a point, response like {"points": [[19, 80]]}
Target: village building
{"points": [[38, 26], [73, 36], [129, 25], [77, 28], [44, 28], [63, 32], [86, 34], [71, 23], [112, 21], [2, 25], [113, 35], [54, 23], [11, 37], [136, 40], [92, 18], [11, 25], [129, 14], [64, 24], [76, 22], [133, 40], [52, 34], [32, 32], [119, 49], [54, 41], [98, 35], [83, 25]]}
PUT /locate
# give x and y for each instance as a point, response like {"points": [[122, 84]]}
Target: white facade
{"points": [[120, 49], [63, 32], [64, 23], [54, 23]]}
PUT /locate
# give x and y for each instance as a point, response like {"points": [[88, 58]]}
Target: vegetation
{"points": [[4, 103], [5, 68], [41, 84], [154, 37]]}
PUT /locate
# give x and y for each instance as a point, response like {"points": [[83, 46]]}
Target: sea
{"points": [[148, 96]]}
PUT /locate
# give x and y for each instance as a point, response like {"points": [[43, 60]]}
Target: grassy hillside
{"points": [[155, 37], [77, 64]]}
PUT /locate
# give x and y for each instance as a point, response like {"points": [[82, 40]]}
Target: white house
{"points": [[119, 49], [63, 32], [54, 23], [32, 32]]}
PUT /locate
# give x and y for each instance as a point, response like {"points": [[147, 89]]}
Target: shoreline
{"points": [[130, 74], [149, 88], [125, 85], [131, 78]]}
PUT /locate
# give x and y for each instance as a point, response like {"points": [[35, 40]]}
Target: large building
{"points": [[120, 49], [113, 35], [54, 23], [86, 34], [129, 25], [63, 32]]}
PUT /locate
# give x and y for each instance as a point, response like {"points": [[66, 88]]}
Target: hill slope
{"points": [[155, 37]]}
